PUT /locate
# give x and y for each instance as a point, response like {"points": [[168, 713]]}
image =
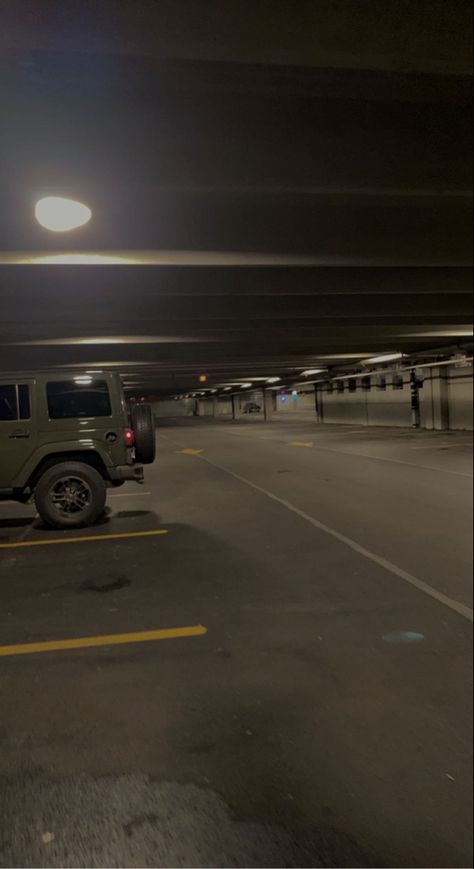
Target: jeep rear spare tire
{"points": [[70, 495], [143, 425]]}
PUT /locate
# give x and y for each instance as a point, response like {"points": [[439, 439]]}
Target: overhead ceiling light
{"points": [[77, 259], [257, 380], [61, 215], [83, 381], [116, 339], [235, 383], [273, 379], [310, 371], [386, 357], [245, 385], [227, 388], [100, 341]]}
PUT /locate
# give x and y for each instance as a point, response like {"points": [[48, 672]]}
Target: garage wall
{"points": [[445, 400], [347, 407], [224, 407], [460, 398], [390, 406], [302, 403], [206, 407], [214, 407], [434, 408], [169, 409]]}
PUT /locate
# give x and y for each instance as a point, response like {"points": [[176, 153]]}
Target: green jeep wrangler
{"points": [[65, 438]]}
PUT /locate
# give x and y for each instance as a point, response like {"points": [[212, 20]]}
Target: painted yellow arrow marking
{"points": [[188, 451], [300, 444]]}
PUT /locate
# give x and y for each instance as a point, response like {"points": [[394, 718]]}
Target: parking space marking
{"points": [[442, 445], [105, 640], [455, 605], [358, 455], [188, 451], [87, 539], [300, 444], [128, 494]]}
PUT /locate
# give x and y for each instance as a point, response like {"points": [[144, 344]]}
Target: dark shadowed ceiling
{"points": [[274, 186]]}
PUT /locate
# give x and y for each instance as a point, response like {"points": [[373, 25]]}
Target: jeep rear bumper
{"points": [[126, 472]]}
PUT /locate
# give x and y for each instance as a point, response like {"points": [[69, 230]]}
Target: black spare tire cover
{"points": [[143, 425]]}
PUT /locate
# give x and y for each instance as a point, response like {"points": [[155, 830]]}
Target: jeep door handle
{"points": [[19, 434]]}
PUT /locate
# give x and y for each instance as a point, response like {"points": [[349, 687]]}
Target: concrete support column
{"points": [[415, 400], [318, 403], [439, 387], [236, 411], [268, 404], [215, 403]]}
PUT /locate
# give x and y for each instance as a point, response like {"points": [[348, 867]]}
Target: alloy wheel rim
{"points": [[70, 495]]}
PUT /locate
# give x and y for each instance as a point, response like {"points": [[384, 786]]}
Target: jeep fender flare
{"points": [[60, 449]]}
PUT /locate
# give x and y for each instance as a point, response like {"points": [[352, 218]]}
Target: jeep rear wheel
{"points": [[70, 495]]}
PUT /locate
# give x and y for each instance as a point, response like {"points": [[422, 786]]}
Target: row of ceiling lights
{"points": [[308, 372], [271, 381], [386, 357], [60, 214]]}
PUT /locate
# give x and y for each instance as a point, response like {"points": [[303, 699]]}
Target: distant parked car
{"points": [[251, 407]]}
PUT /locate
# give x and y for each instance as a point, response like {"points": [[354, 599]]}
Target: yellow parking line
{"points": [[300, 444], [105, 640], [87, 539], [188, 451]]}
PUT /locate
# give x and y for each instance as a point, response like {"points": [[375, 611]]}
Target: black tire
{"points": [[143, 425], [70, 495]]}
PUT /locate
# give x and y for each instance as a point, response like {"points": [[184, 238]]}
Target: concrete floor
{"points": [[323, 720]]}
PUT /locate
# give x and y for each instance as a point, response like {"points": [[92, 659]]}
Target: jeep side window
{"points": [[8, 403], [68, 399]]}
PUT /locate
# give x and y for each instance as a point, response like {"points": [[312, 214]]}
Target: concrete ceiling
{"points": [[253, 213]]}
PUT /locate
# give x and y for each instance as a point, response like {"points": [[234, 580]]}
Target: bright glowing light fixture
{"points": [[78, 259], [386, 357], [273, 379], [245, 385], [61, 215], [310, 371]]}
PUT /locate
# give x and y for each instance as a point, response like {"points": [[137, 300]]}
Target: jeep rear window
{"points": [[68, 399], [8, 403]]}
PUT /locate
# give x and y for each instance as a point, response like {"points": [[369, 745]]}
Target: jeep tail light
{"points": [[129, 437]]}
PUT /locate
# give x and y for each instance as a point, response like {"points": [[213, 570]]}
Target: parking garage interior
{"points": [[262, 655]]}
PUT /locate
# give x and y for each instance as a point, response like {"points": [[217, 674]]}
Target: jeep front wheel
{"points": [[70, 495]]}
